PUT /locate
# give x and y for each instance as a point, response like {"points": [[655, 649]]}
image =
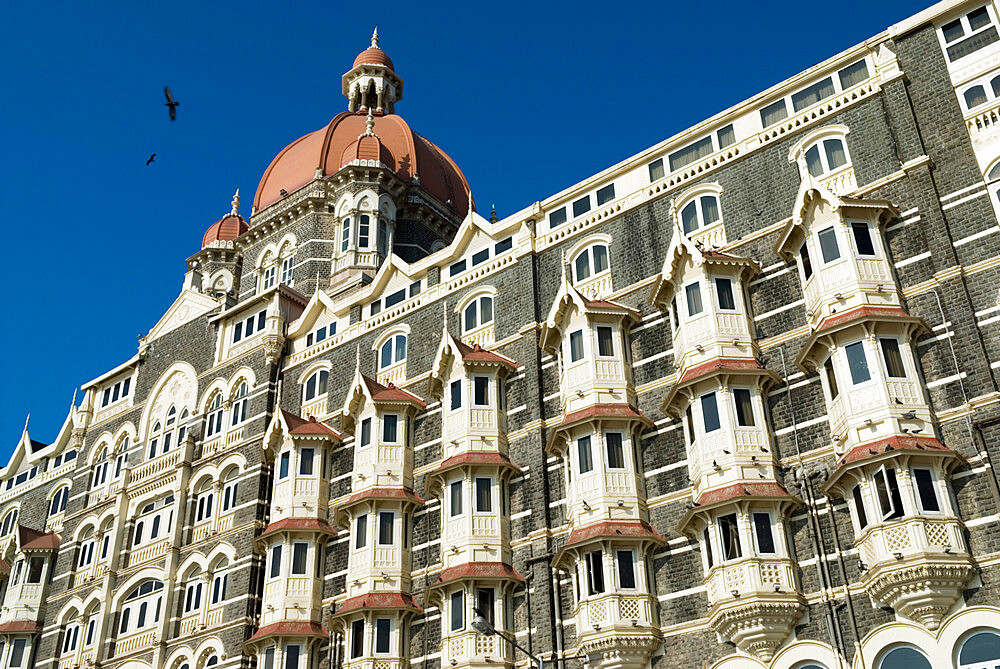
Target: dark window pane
{"points": [[807, 268], [774, 112], [481, 391], [557, 217], [762, 529], [600, 252], [857, 362], [456, 394], [710, 412], [693, 292], [707, 536], [456, 268], [395, 298], [952, 30], [581, 206], [828, 245], [831, 378], [978, 18], [386, 520], [299, 552], [690, 153], [585, 454], [656, 170], [616, 452], [812, 94], [484, 495], [626, 570], [813, 162], [744, 407], [382, 627], [503, 245], [595, 572], [689, 423], [480, 257], [576, 346], [455, 490], [582, 266], [709, 209], [726, 136], [485, 603], [863, 239], [724, 293], [357, 638], [605, 341], [361, 531], [689, 217], [457, 610], [366, 431], [972, 44], [389, 428], [606, 194], [893, 358], [925, 489], [835, 154], [975, 96], [306, 461], [729, 533], [859, 507], [853, 74], [285, 459]]}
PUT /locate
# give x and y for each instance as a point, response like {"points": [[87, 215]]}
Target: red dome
{"points": [[226, 229], [328, 149], [373, 56]]}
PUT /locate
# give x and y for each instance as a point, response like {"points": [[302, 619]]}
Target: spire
{"points": [[445, 309], [357, 357], [375, 38], [493, 214], [370, 123], [236, 203]]}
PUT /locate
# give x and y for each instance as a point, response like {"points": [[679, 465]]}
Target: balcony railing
{"points": [[749, 575], [614, 608], [134, 642], [912, 535]]}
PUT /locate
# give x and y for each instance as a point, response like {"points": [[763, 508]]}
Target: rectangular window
{"points": [[581, 206], [36, 564], [762, 531], [707, 536], [480, 257], [774, 112], [389, 422], [828, 245], [585, 455], [744, 407], [690, 153], [857, 362], [893, 358], [807, 267], [17, 652], [730, 535], [626, 569], [292, 652], [484, 494], [504, 245], [689, 423], [485, 603], [576, 346], [283, 465], [615, 448], [605, 341], [724, 293], [481, 391], [925, 493], [456, 268], [414, 290], [457, 610], [366, 432], [812, 94], [606, 194], [853, 75], [831, 378], [863, 239], [887, 492], [456, 394], [364, 225], [656, 170], [382, 628], [299, 551], [275, 561], [375, 307], [710, 412], [595, 572], [693, 292], [393, 299], [726, 136], [357, 638], [557, 217], [306, 461], [386, 520], [361, 531], [859, 507], [269, 657], [455, 490]]}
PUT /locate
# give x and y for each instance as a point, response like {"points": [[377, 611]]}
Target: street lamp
{"points": [[483, 626]]}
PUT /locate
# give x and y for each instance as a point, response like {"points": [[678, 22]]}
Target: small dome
{"points": [[226, 229], [373, 56]]}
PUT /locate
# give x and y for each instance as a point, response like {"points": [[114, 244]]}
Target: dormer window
{"points": [[251, 326], [316, 385], [591, 261], [118, 391], [393, 351], [478, 313], [826, 156], [700, 212], [969, 33]]}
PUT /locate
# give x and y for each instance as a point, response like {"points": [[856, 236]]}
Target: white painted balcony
{"points": [[133, 642], [749, 576], [614, 609]]}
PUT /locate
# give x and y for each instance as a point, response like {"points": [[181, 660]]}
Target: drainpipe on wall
{"points": [[843, 574]]}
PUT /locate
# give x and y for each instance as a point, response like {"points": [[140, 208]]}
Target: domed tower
{"points": [[219, 260], [369, 183]]}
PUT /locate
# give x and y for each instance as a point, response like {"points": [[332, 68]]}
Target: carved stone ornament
{"points": [[756, 625]]}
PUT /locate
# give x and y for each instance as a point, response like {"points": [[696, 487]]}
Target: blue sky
{"points": [[528, 98]]}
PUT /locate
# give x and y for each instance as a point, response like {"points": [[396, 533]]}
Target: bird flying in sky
{"points": [[150, 161], [171, 103]]}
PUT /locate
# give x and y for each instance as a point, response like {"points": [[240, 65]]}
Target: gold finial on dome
{"points": [[375, 38], [236, 203]]}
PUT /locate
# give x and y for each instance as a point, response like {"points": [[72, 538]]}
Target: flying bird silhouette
{"points": [[150, 161], [171, 103]]}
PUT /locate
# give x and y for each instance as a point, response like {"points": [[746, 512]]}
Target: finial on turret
{"points": [[370, 123], [375, 38], [236, 203], [493, 214], [357, 357], [445, 308]]}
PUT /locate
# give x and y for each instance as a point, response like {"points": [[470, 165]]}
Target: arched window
{"points": [[122, 456], [980, 651], [193, 592], [229, 489], [86, 551], [809, 665], [700, 212], [825, 156], [206, 497], [213, 422], [220, 581], [58, 504], [268, 271], [9, 523], [106, 533], [168, 430], [212, 661], [168, 433], [100, 476], [975, 96], [478, 313], [590, 262], [240, 402], [904, 657], [93, 616], [154, 439], [393, 351], [141, 607], [345, 234], [154, 521], [71, 638], [315, 385], [364, 231]]}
